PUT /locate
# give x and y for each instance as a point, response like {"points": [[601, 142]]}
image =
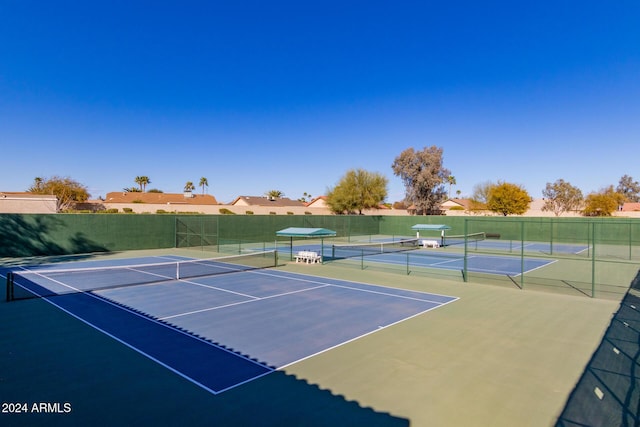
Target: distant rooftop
{"points": [[161, 198]]}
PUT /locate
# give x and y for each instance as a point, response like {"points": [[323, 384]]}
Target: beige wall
{"points": [[9, 204], [535, 210], [17, 204], [240, 210]]}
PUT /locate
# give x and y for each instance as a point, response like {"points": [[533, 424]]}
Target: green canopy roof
{"points": [[433, 227], [305, 232]]}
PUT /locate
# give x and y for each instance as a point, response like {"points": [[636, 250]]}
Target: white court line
{"points": [[295, 277], [386, 294], [322, 285], [216, 288], [538, 267], [268, 369], [448, 261], [364, 335], [242, 302]]}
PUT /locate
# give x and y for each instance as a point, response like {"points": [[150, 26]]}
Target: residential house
{"points": [[266, 201], [318, 202], [140, 202], [23, 202]]}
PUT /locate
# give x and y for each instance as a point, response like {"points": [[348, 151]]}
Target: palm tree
{"points": [[142, 181], [38, 182], [304, 197], [189, 186], [451, 180], [203, 183]]}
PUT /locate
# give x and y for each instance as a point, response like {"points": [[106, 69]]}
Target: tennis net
{"points": [[38, 283], [460, 239], [365, 249]]}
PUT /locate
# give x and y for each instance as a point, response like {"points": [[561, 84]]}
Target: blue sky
{"points": [[283, 95]]}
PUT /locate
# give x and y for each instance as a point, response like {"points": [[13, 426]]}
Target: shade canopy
{"points": [[432, 227], [305, 232]]}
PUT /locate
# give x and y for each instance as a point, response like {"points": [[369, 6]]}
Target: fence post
{"points": [[464, 268], [593, 260], [522, 255]]}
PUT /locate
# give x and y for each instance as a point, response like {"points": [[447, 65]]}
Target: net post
{"points": [[275, 258], [9, 286], [408, 271]]}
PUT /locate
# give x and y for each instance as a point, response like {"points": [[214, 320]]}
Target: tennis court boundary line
{"points": [[380, 328], [268, 369], [322, 281], [253, 299]]}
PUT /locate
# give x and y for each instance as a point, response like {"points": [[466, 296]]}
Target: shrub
{"points": [[456, 208], [225, 211], [127, 210], [289, 213], [307, 213], [272, 213], [249, 212]]}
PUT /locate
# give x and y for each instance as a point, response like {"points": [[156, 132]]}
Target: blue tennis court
{"points": [[504, 245], [517, 246], [223, 330], [437, 258], [491, 264]]}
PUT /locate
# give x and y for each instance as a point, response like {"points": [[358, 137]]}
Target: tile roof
{"points": [[266, 201], [160, 198], [631, 207]]}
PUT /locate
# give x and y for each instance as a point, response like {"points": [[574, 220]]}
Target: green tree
{"points": [[423, 175], [629, 189], [203, 183], [561, 197], [357, 190], [68, 191], [189, 186], [142, 181], [602, 203], [274, 194], [508, 199]]}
